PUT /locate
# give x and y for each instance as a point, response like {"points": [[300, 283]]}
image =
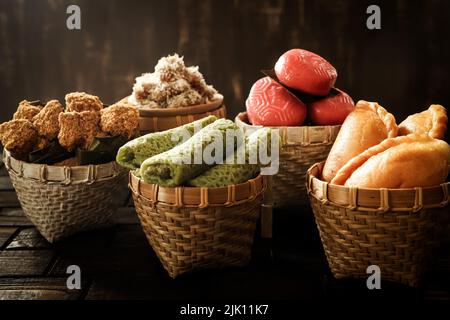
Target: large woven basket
{"points": [[197, 228], [301, 147], [154, 120], [61, 201], [395, 229]]}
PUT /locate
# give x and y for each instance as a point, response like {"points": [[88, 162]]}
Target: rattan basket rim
{"points": [[199, 108], [198, 197], [61, 174], [296, 135], [371, 199]]}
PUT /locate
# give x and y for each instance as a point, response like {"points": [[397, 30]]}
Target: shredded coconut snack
{"points": [[171, 85]]}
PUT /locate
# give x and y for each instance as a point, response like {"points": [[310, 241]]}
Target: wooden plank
{"points": [[124, 193], [437, 295], [86, 242], [129, 236], [24, 262], [266, 220], [2, 164], [5, 184], [5, 234], [106, 289], [155, 285], [112, 262], [9, 199], [38, 289], [130, 202], [14, 217], [126, 215], [126, 252], [28, 238]]}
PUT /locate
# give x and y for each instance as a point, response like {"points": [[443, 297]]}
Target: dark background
{"points": [[404, 66]]}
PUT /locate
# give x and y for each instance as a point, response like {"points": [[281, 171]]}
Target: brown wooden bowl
{"points": [[160, 119]]}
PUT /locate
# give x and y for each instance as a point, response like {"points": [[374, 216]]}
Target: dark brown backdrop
{"points": [[404, 66]]}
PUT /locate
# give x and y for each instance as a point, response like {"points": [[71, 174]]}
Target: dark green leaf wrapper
{"points": [[51, 154], [102, 150]]}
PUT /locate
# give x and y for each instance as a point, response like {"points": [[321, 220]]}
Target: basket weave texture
{"points": [[301, 147], [155, 120], [61, 201], [198, 228], [395, 229], [148, 124]]}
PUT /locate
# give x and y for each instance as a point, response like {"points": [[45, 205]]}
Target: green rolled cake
{"points": [[185, 161], [225, 174], [132, 154]]}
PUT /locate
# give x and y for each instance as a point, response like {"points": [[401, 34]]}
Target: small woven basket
{"points": [[154, 120], [395, 229], [301, 147], [61, 201], [198, 228]]}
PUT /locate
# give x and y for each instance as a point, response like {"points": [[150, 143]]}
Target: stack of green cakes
{"points": [[178, 157]]}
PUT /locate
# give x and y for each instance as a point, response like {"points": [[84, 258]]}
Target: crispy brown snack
{"points": [[81, 101], [120, 119], [26, 111], [46, 121], [18, 137], [78, 129]]}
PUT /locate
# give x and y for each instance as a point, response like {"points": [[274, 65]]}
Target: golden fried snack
{"points": [[367, 125], [81, 101], [432, 122], [120, 119], [46, 121], [78, 129], [18, 137], [402, 162], [26, 111]]}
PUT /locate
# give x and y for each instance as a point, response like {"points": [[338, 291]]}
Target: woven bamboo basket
{"points": [[395, 229], [61, 201], [301, 147], [154, 120], [196, 228]]}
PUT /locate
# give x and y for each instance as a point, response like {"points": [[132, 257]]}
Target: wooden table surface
{"points": [[118, 263]]}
